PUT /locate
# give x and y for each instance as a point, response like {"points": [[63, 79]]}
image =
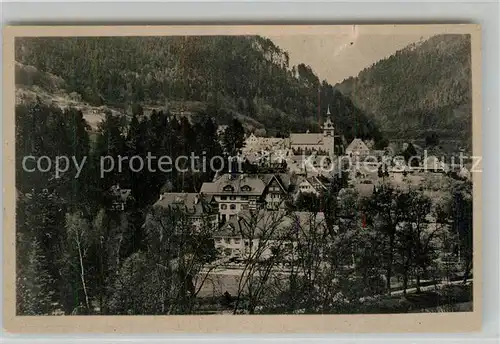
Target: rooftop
{"points": [[307, 139], [243, 184], [271, 224], [190, 202]]}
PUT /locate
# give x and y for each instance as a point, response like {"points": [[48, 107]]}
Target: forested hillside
{"points": [[422, 88], [247, 77]]}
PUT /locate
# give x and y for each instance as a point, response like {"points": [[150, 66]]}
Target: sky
{"points": [[344, 54]]}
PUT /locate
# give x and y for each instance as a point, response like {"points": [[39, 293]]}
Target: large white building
{"points": [[235, 193], [323, 142], [263, 231]]}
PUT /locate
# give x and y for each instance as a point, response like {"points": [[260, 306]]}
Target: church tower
{"points": [[328, 129], [328, 134]]}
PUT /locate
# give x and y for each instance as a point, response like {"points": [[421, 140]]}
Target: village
{"points": [[251, 214], [241, 174]]}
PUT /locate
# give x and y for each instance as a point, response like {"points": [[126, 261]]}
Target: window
{"points": [[232, 217], [232, 207], [236, 241], [223, 206], [244, 206], [227, 251], [228, 188], [244, 198], [232, 198], [223, 198], [246, 188]]}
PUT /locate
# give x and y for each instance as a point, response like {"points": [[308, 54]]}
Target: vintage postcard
{"points": [[242, 179]]}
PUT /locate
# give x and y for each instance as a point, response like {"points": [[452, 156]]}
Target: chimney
{"points": [[196, 199]]}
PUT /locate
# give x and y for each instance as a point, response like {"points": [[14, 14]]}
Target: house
{"points": [[257, 143], [323, 142], [276, 191], [265, 231], [237, 192], [312, 185], [197, 206], [357, 148], [251, 140], [119, 197]]}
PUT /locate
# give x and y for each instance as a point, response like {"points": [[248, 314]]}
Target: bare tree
{"points": [[267, 241], [179, 253], [415, 237], [78, 238]]}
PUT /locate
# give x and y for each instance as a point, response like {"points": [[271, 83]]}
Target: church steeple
{"points": [[328, 128]]}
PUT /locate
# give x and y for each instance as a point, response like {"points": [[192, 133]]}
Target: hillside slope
{"points": [[422, 88], [244, 76]]}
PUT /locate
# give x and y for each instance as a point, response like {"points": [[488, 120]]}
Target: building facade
{"points": [[357, 148], [265, 231], [233, 193], [323, 143]]}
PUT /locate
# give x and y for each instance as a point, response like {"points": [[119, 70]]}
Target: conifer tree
{"points": [[34, 285]]}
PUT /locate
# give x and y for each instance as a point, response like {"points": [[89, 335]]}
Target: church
{"points": [[322, 143]]}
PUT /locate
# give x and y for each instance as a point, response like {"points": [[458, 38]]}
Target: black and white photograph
{"points": [[246, 174]]}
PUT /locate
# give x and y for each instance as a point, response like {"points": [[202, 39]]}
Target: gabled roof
{"points": [[357, 145], [236, 182], [302, 179], [313, 181], [192, 203], [244, 184], [283, 180]]}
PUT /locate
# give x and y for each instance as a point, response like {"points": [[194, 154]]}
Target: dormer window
{"points": [[246, 188], [228, 188]]}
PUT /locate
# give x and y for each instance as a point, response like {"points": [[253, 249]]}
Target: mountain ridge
{"points": [[427, 84], [233, 76]]}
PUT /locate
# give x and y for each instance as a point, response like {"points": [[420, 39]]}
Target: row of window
{"points": [[235, 241], [229, 252], [233, 198], [233, 206], [244, 188]]}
